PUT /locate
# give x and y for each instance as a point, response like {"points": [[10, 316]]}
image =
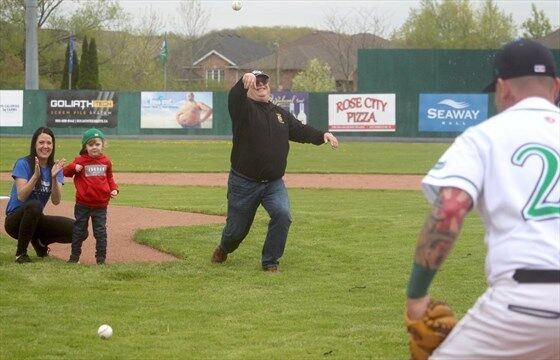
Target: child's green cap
{"points": [[92, 133]]}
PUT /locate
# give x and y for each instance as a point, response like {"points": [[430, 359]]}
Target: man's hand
{"points": [[330, 138], [416, 308], [249, 80], [428, 322]]}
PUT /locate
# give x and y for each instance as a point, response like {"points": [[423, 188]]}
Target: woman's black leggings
{"points": [[28, 223]]}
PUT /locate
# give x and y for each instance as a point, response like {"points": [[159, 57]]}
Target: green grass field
{"points": [[340, 293], [213, 156]]}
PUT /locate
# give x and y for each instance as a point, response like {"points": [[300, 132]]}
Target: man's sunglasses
{"points": [[261, 80]]}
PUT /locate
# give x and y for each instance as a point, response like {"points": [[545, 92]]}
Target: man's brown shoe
{"points": [[219, 255], [271, 268]]}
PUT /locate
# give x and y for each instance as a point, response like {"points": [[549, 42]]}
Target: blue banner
{"points": [[294, 102], [451, 112]]}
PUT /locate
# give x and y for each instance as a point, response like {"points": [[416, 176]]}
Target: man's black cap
{"points": [[522, 57], [258, 73]]}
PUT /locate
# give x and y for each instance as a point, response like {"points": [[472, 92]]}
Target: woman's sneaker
{"points": [[41, 249], [22, 259]]}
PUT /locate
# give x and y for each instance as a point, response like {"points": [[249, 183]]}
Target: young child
{"points": [[93, 178]]}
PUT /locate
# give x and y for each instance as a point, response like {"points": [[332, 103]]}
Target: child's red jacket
{"points": [[94, 182]]}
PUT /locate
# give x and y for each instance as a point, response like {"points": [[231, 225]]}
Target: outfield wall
{"points": [[128, 117], [409, 73], [406, 77]]}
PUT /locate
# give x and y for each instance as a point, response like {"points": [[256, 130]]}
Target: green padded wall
{"points": [[408, 73]]}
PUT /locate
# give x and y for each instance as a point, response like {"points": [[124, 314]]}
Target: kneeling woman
{"points": [[37, 177]]}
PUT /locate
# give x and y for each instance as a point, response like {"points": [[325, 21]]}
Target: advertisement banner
{"points": [[11, 108], [362, 112], [451, 112], [84, 108], [176, 110], [294, 102]]}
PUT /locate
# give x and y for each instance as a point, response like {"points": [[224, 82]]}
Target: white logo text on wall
{"points": [[451, 112], [11, 108]]}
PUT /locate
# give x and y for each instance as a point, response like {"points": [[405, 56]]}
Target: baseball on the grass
{"points": [[105, 331], [236, 5]]}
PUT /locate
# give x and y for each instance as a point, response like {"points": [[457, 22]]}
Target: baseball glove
{"points": [[427, 333]]}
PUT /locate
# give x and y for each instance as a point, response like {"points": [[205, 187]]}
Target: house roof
{"points": [[233, 48], [327, 46], [552, 40]]}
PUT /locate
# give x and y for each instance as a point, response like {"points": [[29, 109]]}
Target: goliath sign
{"points": [[81, 108]]}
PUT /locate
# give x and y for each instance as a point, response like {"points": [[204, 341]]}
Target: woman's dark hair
{"points": [[33, 149]]}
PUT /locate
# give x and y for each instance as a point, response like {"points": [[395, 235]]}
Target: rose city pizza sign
{"points": [[362, 112]]}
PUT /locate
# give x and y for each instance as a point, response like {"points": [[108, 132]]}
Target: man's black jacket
{"points": [[261, 134]]}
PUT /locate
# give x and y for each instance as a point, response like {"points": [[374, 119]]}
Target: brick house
{"points": [[339, 51], [224, 56], [218, 56]]}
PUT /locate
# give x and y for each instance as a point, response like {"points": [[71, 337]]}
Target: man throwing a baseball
{"points": [[261, 135], [508, 167]]}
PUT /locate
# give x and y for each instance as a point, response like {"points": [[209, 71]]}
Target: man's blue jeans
{"points": [[244, 197]]}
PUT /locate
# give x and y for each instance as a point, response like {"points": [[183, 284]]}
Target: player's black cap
{"points": [[258, 73], [522, 57]]}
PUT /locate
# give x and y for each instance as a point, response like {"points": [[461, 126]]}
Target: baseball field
{"points": [[340, 293]]}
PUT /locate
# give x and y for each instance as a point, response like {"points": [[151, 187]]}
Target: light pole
{"points": [[31, 55], [277, 47]]}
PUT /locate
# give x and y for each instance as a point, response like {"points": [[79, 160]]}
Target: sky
{"points": [[313, 13]]}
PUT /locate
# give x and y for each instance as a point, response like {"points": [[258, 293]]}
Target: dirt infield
{"points": [[124, 221], [332, 181]]}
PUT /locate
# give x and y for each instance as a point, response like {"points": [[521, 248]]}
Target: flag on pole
{"points": [[71, 53], [163, 52]]}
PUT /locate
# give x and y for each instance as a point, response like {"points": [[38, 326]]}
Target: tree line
{"points": [[116, 54]]}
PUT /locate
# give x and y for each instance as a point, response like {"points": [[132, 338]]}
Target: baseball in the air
{"points": [[105, 331], [236, 5]]}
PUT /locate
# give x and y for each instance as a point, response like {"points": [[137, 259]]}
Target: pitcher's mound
{"points": [[122, 223]]}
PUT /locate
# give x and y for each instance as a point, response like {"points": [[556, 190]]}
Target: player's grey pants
{"points": [[244, 197], [98, 216], [509, 321]]}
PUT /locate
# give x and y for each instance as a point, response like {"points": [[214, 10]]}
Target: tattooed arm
{"points": [[436, 240]]}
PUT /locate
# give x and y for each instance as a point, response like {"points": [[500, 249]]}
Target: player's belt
{"points": [[529, 276]]}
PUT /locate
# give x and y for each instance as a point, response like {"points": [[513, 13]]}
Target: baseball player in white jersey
{"points": [[508, 168]]}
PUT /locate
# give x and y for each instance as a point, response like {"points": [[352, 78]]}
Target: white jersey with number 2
{"points": [[510, 166]]}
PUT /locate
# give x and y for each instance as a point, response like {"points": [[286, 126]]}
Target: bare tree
{"points": [[45, 9], [192, 20], [192, 23], [357, 29], [13, 11], [90, 19], [135, 55]]}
